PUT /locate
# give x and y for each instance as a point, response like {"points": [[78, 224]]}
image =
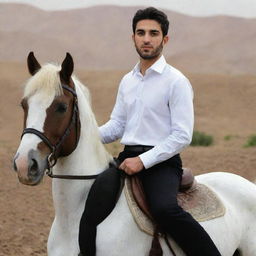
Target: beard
{"points": [[150, 54]]}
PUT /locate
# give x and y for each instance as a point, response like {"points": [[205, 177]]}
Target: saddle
{"points": [[199, 200], [188, 182]]}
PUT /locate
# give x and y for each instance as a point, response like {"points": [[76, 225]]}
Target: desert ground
{"points": [[224, 107]]}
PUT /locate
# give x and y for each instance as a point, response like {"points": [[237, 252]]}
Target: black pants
{"points": [[161, 183]]}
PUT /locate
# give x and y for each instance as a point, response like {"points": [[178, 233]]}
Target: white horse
{"points": [[49, 99]]}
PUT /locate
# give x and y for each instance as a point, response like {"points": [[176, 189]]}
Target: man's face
{"points": [[148, 39]]}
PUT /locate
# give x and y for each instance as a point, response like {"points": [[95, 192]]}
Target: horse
{"points": [[61, 135]]}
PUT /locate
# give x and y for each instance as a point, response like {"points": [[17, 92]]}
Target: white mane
{"points": [[89, 128], [46, 80]]}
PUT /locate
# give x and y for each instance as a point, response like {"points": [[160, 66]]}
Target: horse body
{"points": [[229, 232], [118, 233]]}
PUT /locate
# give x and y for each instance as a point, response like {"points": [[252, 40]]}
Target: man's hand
{"points": [[131, 165]]}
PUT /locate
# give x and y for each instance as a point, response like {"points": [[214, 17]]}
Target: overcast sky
{"points": [[240, 8]]}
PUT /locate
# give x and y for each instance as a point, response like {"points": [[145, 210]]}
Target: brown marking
{"points": [[58, 118], [24, 105]]}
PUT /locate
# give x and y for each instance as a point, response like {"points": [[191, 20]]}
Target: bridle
{"points": [[52, 158]]}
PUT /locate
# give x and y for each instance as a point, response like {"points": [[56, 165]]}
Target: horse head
{"points": [[51, 120]]}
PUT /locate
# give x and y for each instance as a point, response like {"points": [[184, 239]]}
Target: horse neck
{"points": [[90, 157]]}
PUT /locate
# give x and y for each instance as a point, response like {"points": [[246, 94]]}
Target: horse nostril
{"points": [[33, 168]]}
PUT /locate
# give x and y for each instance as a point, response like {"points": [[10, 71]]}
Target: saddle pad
{"points": [[201, 202]]}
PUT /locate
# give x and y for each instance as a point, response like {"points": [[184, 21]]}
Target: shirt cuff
{"points": [[148, 158]]}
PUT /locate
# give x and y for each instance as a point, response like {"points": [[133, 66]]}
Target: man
{"points": [[153, 116]]}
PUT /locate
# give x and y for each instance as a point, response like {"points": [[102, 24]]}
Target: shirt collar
{"points": [[158, 66]]}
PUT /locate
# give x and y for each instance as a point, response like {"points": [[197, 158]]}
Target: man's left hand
{"points": [[131, 165]]}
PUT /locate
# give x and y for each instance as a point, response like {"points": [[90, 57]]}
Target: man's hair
{"points": [[151, 13]]}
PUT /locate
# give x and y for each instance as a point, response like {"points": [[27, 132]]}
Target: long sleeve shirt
{"points": [[154, 110]]}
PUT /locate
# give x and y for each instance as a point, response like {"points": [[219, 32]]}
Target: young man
{"points": [[153, 116]]}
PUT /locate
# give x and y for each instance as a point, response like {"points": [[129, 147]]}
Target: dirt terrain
{"points": [[224, 106]]}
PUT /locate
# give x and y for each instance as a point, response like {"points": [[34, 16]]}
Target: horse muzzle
{"points": [[30, 168]]}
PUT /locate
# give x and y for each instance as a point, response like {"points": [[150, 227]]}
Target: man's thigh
{"points": [[161, 183]]}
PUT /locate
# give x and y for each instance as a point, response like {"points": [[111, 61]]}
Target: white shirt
{"points": [[154, 110]]}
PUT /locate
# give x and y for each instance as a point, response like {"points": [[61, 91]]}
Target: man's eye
{"points": [[140, 33], [154, 33], [61, 108]]}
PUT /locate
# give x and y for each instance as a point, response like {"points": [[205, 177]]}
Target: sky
{"points": [[239, 8]]}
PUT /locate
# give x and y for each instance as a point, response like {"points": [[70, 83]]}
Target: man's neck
{"points": [[145, 64]]}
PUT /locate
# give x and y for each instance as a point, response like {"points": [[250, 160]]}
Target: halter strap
{"points": [[66, 87], [68, 129], [40, 135]]}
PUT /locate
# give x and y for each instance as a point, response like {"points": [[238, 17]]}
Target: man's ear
{"points": [[165, 39]]}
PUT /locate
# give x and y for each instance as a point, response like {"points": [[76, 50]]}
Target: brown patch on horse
{"points": [[60, 113], [24, 105], [58, 118]]}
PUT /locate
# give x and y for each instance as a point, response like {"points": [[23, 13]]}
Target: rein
{"points": [[71, 177], [77, 177], [52, 158]]}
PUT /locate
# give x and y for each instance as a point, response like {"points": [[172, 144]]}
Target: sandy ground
{"points": [[224, 105]]}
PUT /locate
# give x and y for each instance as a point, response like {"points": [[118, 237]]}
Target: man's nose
{"points": [[146, 38]]}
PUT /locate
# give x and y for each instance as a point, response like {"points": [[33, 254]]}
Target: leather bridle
{"points": [[52, 158]]}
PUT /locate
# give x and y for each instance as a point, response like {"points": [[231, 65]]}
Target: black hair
{"points": [[151, 13]]}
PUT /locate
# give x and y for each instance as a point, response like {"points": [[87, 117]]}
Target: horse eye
{"points": [[61, 108]]}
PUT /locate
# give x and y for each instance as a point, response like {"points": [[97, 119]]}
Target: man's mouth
{"points": [[147, 47]]}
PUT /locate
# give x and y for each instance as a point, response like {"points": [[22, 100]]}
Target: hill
{"points": [[100, 38]]}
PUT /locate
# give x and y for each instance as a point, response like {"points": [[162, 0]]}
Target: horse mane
{"points": [[90, 130], [85, 106], [46, 80]]}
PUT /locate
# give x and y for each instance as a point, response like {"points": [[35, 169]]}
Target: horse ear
{"points": [[67, 68], [33, 64]]}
